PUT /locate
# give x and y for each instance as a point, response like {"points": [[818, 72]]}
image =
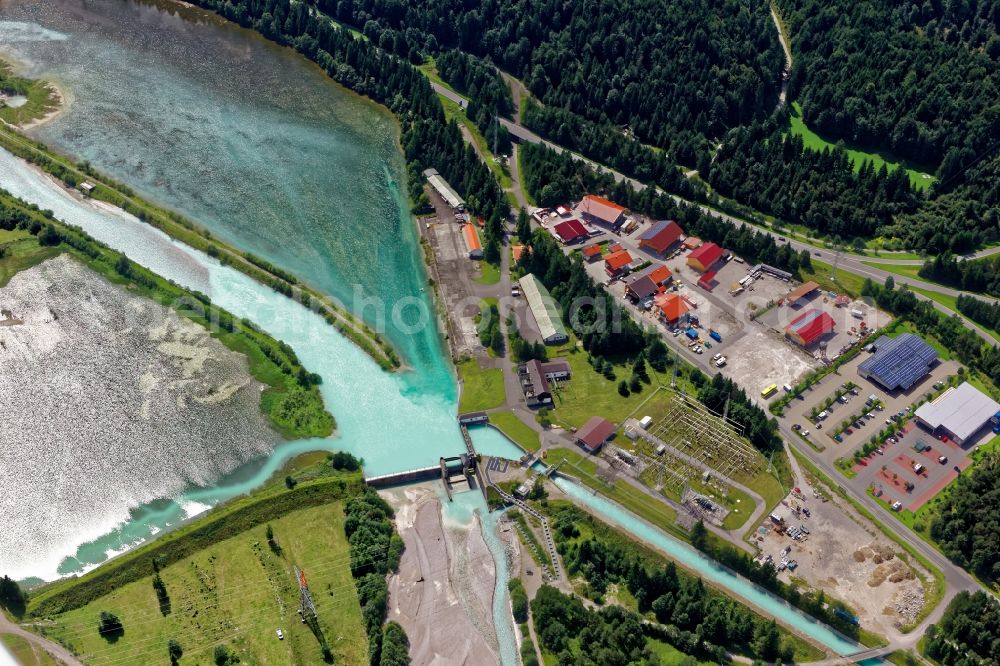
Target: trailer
{"points": [[715, 335], [691, 333]]}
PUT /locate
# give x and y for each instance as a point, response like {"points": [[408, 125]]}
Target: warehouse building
{"points": [[810, 327], [592, 435], [661, 236], [960, 413], [570, 231], [472, 244], [802, 294], [704, 257], [442, 187], [598, 210], [899, 363], [543, 310]]}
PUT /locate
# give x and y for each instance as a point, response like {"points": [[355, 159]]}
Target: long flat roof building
{"points": [[442, 187], [544, 310], [960, 412], [899, 363]]}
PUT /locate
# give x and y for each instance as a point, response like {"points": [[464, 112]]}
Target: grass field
{"points": [[905, 271], [488, 273], [843, 281], [481, 388], [25, 653], [41, 99], [517, 430], [237, 592], [20, 253], [918, 179]]}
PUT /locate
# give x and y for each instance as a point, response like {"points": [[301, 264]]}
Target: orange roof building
{"points": [[598, 210], [616, 262], [592, 252], [671, 308], [661, 236], [472, 243], [517, 251]]}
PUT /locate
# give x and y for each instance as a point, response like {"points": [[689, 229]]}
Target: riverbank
{"points": [[291, 402], [120, 196]]}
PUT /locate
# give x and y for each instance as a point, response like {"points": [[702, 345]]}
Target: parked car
{"points": [[796, 426], [943, 460], [281, 634]]}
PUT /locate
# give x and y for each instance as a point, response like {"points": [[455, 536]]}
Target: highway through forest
{"points": [[955, 578], [846, 261]]}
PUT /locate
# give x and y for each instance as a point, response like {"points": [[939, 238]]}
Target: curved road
{"points": [[61, 654]]}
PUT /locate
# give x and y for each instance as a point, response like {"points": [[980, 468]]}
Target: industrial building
{"points": [[661, 236], [802, 294], [442, 187], [594, 433], [648, 282], [598, 210], [899, 362], [959, 413], [570, 231], [809, 327], [472, 244], [702, 258], [544, 310], [536, 377]]}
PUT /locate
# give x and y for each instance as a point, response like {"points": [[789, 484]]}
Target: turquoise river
{"points": [[262, 149]]}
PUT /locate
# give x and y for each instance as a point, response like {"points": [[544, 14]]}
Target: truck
{"points": [[857, 314], [714, 335], [691, 333]]}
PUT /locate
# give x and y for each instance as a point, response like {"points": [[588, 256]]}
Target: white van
{"points": [[858, 314]]}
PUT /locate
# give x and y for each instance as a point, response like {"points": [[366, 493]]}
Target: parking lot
{"points": [[889, 472]]}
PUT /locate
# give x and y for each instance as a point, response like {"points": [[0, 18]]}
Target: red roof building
{"points": [[671, 308], [594, 433], [661, 236], [517, 251], [592, 252], [809, 327], [704, 256], [707, 281], [598, 210], [570, 231], [616, 262]]}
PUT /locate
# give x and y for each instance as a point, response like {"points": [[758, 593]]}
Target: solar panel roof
{"points": [[899, 362]]}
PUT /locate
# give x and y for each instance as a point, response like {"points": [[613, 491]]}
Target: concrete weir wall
{"points": [[409, 476]]}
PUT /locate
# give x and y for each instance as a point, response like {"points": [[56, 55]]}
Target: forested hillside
{"points": [[919, 78], [674, 72], [969, 632]]}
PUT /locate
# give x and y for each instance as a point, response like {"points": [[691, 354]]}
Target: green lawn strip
{"points": [[481, 388], [489, 274], [22, 255], [319, 485], [189, 233], [670, 656], [525, 192], [517, 430], [23, 653], [899, 269], [811, 139], [933, 593], [843, 281], [236, 584], [951, 303], [652, 511]]}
